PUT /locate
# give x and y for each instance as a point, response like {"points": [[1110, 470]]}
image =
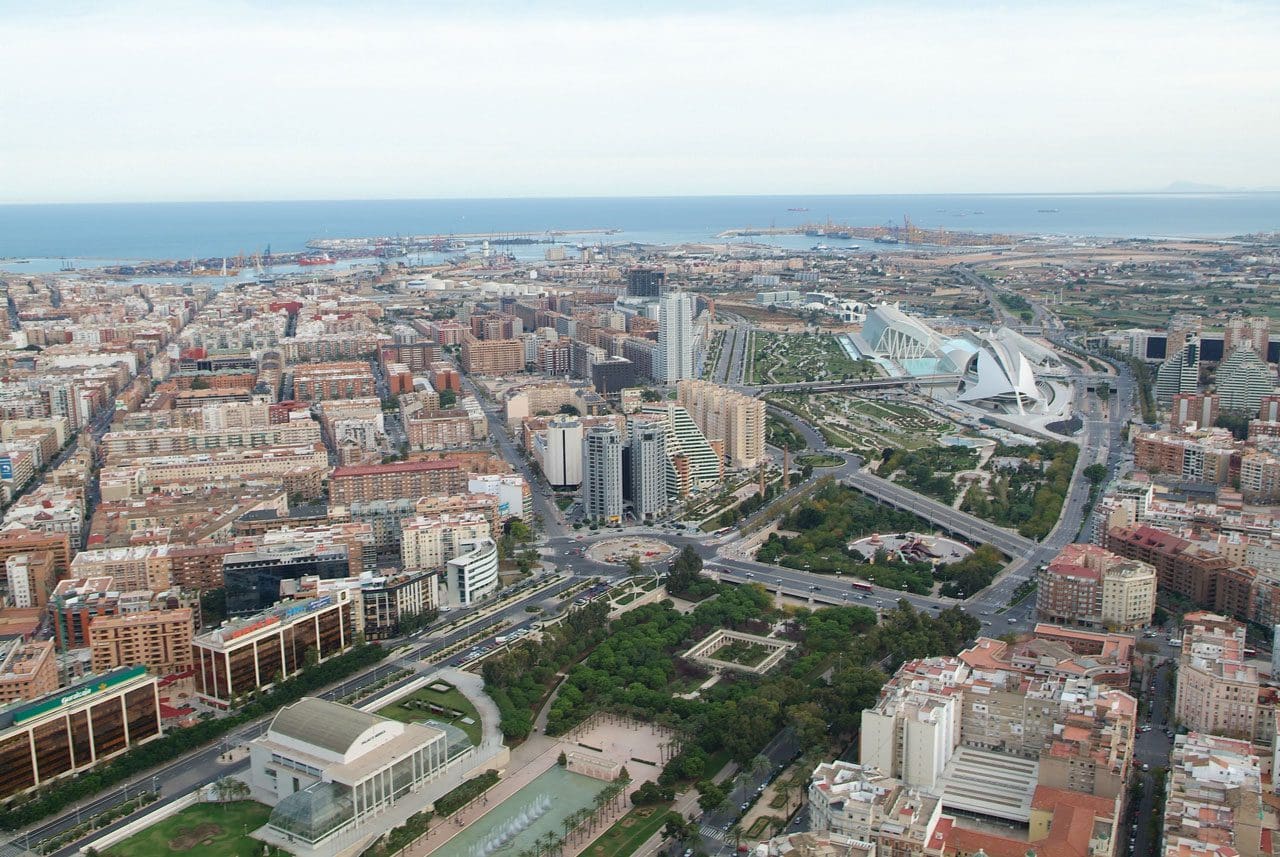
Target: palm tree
{"points": [[760, 764], [735, 833]]}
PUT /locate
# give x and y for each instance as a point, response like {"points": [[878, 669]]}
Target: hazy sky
{"points": [[240, 100]]}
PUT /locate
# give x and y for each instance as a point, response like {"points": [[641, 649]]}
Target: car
{"points": [[744, 806]]}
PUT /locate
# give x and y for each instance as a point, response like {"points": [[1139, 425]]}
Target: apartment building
{"points": [[307, 464], [491, 356], [1090, 586], [405, 479], [1181, 567], [159, 640], [254, 570], [1260, 477], [866, 805], [31, 578], [1214, 802], [1217, 691], [346, 379], [1200, 456], [431, 541], [120, 445], [725, 414], [28, 670], [143, 567], [1193, 410]]}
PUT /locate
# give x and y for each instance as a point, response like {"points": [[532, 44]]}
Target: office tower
{"points": [[644, 283], [1179, 373], [1255, 330], [674, 359], [602, 474], [1243, 378], [648, 469]]}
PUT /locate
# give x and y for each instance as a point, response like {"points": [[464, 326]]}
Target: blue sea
{"points": [[209, 229]]}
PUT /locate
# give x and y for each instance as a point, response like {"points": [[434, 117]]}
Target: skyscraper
{"points": [[1243, 378], [644, 283], [1179, 373], [674, 358], [602, 474], [648, 469]]}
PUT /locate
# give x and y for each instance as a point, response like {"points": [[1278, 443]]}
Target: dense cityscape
{"points": [[908, 548]]}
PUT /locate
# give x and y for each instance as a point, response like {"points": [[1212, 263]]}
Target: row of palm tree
{"points": [[583, 823]]}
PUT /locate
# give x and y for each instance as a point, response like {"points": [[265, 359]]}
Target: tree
{"points": [[711, 795], [570, 410], [1095, 473], [676, 827], [562, 760], [634, 567], [448, 398]]}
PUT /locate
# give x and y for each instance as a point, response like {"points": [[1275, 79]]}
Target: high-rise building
{"points": [[674, 359], [1217, 691], [1243, 378], [1179, 373], [725, 414], [1260, 477], [693, 464], [602, 474], [1182, 328], [561, 452], [645, 282], [1255, 330], [648, 469], [1087, 585], [1193, 409]]}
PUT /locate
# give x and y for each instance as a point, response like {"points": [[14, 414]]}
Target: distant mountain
{"points": [[1196, 187]]}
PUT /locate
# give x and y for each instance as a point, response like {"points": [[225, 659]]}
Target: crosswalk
{"points": [[712, 833]]}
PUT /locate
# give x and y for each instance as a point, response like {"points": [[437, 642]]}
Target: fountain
{"points": [[502, 836], [536, 809]]}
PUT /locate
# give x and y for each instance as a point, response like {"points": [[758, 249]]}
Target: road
{"points": [[202, 767], [714, 825]]}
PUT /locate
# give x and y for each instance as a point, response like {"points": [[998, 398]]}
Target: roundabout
{"points": [[619, 550]]}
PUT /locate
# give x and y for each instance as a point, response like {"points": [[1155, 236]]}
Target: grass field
{"points": [[778, 358], [202, 830], [629, 832], [405, 712]]}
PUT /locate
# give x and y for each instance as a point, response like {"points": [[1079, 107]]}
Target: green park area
{"points": [[202, 830], [1027, 487], [629, 832], [815, 537], [865, 425], [446, 706], [633, 665], [786, 358]]}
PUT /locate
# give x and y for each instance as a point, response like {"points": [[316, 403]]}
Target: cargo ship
{"points": [[321, 259]]}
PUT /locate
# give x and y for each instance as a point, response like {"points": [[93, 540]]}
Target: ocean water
{"points": [[184, 230]]}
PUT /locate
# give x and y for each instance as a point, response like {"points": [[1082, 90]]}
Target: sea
{"points": [[33, 237]]}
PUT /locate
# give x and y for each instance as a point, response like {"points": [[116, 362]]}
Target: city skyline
{"points": [[244, 101]]}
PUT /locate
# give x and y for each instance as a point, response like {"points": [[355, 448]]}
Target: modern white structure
{"points": [[472, 576], [327, 767], [647, 469], [999, 374], [673, 360], [602, 474], [562, 452]]}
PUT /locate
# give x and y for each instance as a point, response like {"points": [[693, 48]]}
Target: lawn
{"points": [[202, 830], [417, 707], [629, 832], [786, 358]]}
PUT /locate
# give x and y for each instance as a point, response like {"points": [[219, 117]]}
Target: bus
{"points": [[862, 587]]}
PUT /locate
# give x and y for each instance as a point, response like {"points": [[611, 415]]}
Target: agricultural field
{"points": [[866, 426], [782, 358]]}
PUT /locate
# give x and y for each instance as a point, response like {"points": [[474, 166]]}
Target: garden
{"points": [[1027, 494], [787, 358], [438, 701], [202, 830]]}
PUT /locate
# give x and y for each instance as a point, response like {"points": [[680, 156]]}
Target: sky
{"points": [[236, 100]]}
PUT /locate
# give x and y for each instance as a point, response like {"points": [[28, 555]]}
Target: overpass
{"points": [[940, 514], [837, 386]]}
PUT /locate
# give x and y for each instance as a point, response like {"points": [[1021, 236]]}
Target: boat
{"points": [[885, 239], [321, 259], [20, 262], [1047, 210], [797, 209], [841, 234]]}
